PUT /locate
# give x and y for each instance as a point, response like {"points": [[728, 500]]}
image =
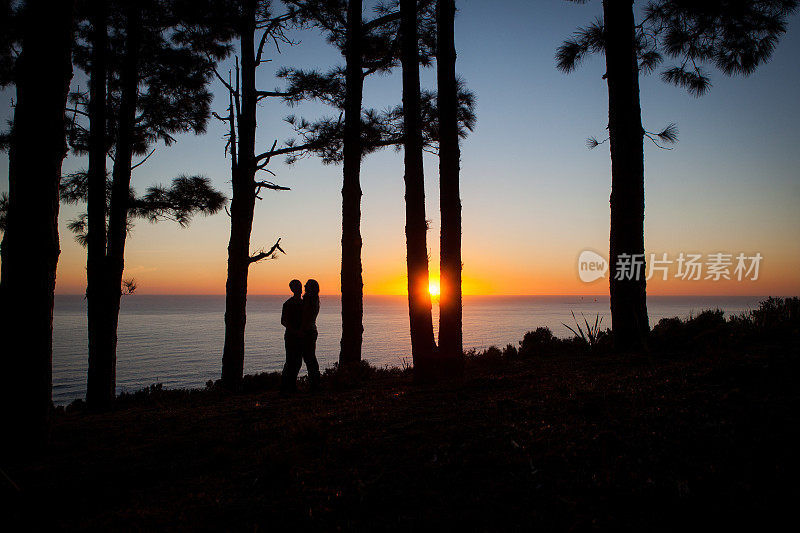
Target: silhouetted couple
{"points": [[299, 317]]}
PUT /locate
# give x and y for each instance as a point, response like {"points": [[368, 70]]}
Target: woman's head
{"points": [[312, 287]]}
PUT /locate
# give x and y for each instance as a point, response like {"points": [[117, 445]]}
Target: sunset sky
{"points": [[533, 196]]}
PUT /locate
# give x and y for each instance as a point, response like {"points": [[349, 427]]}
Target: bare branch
{"points": [[282, 151], [269, 185], [219, 117], [394, 16], [76, 111], [128, 286], [261, 47], [232, 134], [267, 155], [269, 254], [140, 163], [236, 97], [390, 17], [268, 94], [222, 80]]}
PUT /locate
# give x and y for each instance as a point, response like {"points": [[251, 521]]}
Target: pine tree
{"points": [[735, 36], [149, 65], [423, 345], [251, 18], [41, 73], [352, 284], [450, 302], [101, 377]]}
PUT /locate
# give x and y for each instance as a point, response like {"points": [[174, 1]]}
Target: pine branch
{"points": [[186, 196], [585, 41], [592, 142], [668, 135]]}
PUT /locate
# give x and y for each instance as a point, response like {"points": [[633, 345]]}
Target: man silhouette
{"points": [[291, 319]]}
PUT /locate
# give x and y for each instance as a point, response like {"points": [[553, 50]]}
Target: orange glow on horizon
{"points": [[505, 284], [398, 286], [164, 275]]}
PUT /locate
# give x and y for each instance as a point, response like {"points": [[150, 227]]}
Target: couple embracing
{"points": [[299, 317]]}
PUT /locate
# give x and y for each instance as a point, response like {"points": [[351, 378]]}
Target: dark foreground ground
{"points": [[570, 442]]}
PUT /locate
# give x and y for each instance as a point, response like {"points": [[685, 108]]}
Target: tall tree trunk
{"points": [[352, 283], [120, 192], [450, 337], [30, 247], [628, 296], [242, 206], [99, 391], [419, 298]]}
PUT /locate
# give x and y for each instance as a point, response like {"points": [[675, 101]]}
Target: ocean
{"points": [[177, 340]]}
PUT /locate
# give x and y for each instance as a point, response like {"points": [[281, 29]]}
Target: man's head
{"points": [[296, 287]]}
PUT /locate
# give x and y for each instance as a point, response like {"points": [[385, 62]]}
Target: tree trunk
{"points": [[120, 193], [419, 298], [30, 247], [236, 284], [242, 206], [628, 296], [450, 336], [99, 392], [352, 283]]}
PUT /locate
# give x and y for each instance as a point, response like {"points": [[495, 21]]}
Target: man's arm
{"points": [[285, 317]]}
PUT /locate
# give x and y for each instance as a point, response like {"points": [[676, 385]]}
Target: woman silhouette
{"points": [[309, 333]]}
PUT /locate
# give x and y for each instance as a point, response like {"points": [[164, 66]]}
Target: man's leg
{"points": [[292, 366]]}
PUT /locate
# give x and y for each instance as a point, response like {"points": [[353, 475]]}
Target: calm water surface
{"points": [[177, 340]]}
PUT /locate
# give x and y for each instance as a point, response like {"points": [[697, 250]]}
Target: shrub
{"points": [[261, 382], [708, 319], [667, 325], [489, 358], [541, 341], [698, 332], [510, 352], [344, 377], [776, 312]]}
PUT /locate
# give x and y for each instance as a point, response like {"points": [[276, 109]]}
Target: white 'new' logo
{"points": [[591, 266]]}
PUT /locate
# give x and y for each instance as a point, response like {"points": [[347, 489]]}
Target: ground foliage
{"points": [[701, 430]]}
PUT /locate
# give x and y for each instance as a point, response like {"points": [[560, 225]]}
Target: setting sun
{"points": [[433, 288]]}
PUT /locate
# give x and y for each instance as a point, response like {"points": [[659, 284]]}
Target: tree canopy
{"points": [[735, 36]]}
